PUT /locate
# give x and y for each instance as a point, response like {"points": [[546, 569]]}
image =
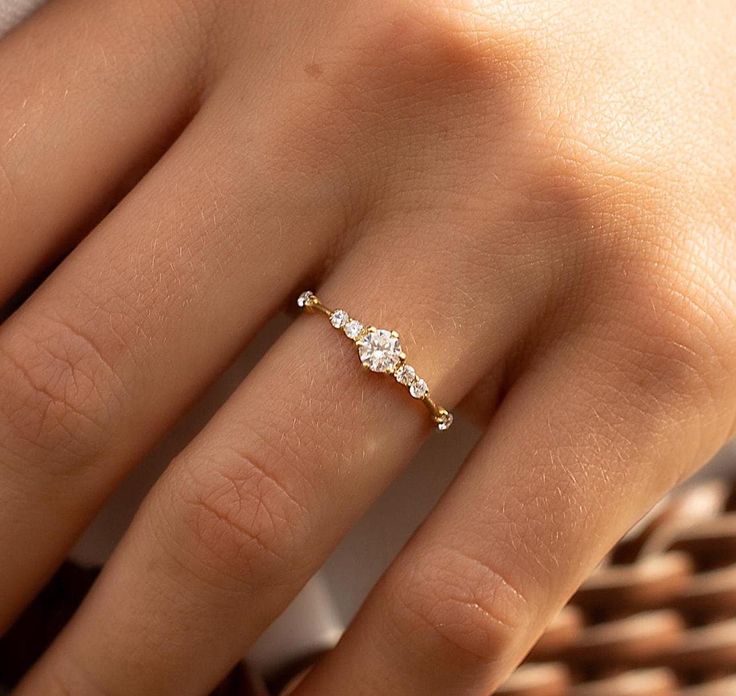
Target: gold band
{"points": [[380, 351]]}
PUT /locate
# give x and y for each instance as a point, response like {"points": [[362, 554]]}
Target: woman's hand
{"points": [[538, 195]]}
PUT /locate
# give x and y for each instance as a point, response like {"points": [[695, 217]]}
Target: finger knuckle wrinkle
{"points": [[57, 388], [458, 602], [676, 333], [241, 519], [436, 50], [475, 39]]}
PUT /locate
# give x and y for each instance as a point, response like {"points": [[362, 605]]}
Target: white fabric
{"points": [[12, 11]]}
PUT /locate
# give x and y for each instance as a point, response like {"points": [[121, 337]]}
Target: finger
{"points": [[91, 94], [160, 298], [253, 506], [578, 451]]}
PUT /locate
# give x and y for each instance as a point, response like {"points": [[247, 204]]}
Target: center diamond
{"points": [[380, 350]]}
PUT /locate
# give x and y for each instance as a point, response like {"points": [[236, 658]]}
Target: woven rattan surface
{"points": [[658, 618]]}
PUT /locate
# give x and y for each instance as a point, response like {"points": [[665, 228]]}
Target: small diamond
{"points": [[405, 375], [380, 350], [444, 420], [353, 329], [419, 388], [339, 318], [305, 298]]}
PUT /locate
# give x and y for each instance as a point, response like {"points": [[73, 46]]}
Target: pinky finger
{"points": [[568, 464]]}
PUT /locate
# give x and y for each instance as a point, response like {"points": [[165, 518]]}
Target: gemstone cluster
{"points": [[380, 350]]}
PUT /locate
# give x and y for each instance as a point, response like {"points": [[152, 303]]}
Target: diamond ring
{"points": [[380, 351]]}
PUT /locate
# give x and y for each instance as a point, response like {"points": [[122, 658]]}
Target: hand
{"points": [[537, 195]]}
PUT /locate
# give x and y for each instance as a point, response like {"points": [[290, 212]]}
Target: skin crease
{"points": [[542, 193]]}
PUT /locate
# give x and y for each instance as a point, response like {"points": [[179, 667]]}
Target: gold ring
{"points": [[380, 350]]}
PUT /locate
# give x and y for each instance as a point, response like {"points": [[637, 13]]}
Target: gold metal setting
{"points": [[380, 350]]}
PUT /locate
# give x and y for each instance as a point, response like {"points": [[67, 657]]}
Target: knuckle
{"points": [[418, 64], [434, 53], [240, 520], [57, 388], [664, 349], [436, 33], [675, 326], [460, 608]]}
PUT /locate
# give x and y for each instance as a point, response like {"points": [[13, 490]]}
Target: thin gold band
{"points": [[380, 351]]}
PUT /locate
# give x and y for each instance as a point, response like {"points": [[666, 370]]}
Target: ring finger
{"points": [[561, 474]]}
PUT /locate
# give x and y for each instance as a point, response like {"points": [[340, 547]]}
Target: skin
{"points": [[537, 195]]}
